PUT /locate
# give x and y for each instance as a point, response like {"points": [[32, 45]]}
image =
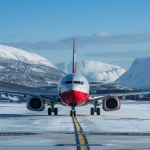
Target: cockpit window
{"points": [[82, 82], [68, 82], [78, 82]]}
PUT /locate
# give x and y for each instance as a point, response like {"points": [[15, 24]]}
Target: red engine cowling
{"points": [[36, 103], [111, 103]]}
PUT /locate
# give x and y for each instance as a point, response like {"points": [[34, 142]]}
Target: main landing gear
{"points": [[52, 109], [95, 109]]}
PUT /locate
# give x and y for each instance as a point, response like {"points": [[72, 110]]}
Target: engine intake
{"points": [[36, 103], [111, 103]]}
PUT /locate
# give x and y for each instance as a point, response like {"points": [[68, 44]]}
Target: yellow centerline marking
{"points": [[76, 123], [80, 136]]}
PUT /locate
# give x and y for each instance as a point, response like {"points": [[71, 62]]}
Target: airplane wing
{"points": [[53, 85], [98, 84], [101, 96], [52, 97]]}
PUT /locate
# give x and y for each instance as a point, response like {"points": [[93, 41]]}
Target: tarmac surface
{"points": [[127, 128]]}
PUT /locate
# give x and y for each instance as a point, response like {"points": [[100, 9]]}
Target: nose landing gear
{"points": [[72, 112], [52, 109], [95, 109]]}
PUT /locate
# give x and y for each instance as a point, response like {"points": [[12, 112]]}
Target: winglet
{"points": [[74, 58]]}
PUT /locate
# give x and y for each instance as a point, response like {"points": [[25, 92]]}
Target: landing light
{"points": [[25, 96], [123, 97], [140, 95]]}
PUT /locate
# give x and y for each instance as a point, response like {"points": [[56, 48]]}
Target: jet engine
{"points": [[36, 103], [111, 103]]}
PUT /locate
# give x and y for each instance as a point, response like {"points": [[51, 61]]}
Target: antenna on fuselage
{"points": [[74, 57]]}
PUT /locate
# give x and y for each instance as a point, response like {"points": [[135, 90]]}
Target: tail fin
{"points": [[74, 58]]}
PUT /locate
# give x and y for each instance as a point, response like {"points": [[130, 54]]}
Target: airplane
{"points": [[73, 91]]}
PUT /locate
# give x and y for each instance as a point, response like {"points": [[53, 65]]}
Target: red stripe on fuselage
{"points": [[73, 96]]}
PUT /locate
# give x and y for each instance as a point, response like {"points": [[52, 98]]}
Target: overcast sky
{"points": [[110, 31]]}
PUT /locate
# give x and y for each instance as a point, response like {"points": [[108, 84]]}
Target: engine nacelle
{"points": [[111, 103], [36, 103]]}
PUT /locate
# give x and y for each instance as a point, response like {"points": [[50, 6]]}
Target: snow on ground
{"points": [[132, 117], [127, 128]]}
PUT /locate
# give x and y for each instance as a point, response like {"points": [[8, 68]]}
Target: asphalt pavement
{"points": [[22, 129]]}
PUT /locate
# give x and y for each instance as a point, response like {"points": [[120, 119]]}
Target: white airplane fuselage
{"points": [[73, 89]]}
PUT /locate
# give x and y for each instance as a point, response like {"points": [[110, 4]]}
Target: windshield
{"points": [[70, 82], [78, 82]]}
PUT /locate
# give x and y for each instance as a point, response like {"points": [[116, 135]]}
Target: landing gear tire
{"points": [[71, 113], [92, 111], [74, 113], [55, 111], [98, 111], [49, 111]]}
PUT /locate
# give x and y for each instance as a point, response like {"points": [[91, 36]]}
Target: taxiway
{"points": [[127, 128]]}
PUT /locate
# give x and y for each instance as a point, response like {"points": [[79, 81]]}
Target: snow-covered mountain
{"points": [[7, 52], [138, 76], [23, 68], [94, 70]]}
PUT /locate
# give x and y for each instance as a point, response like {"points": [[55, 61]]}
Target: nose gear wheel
{"points": [[73, 112]]}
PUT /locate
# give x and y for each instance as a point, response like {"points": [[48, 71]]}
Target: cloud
{"points": [[101, 34], [11, 36], [125, 54], [126, 64], [100, 38], [123, 59], [56, 16], [23, 44], [42, 45]]}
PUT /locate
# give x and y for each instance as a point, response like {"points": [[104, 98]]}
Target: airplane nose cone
{"points": [[74, 97]]}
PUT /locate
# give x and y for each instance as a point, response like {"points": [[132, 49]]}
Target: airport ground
{"points": [[127, 128]]}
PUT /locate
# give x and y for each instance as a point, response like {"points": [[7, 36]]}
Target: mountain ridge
{"points": [[138, 76], [7, 52], [94, 70], [28, 69]]}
